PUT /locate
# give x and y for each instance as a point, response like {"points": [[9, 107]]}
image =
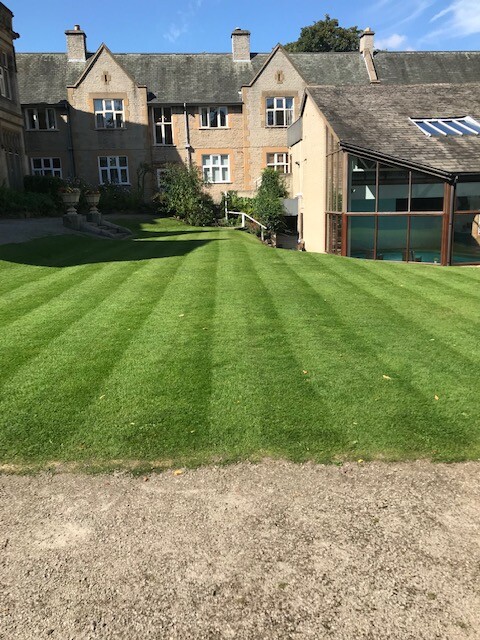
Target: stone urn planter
{"points": [[70, 199], [93, 199]]}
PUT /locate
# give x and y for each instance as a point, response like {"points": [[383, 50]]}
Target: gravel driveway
{"points": [[22, 230], [273, 550]]}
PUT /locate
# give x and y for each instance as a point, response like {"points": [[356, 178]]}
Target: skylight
{"points": [[448, 126]]}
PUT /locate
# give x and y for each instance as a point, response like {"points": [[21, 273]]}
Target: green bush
{"points": [[48, 185], [114, 197], [268, 205], [20, 204], [235, 202], [182, 194]]}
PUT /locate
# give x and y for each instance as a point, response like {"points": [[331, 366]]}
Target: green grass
{"points": [[185, 345]]}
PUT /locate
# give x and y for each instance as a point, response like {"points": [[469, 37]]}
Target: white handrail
{"points": [[245, 215]]}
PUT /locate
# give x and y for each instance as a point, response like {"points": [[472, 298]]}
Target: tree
{"points": [[267, 204], [326, 35]]}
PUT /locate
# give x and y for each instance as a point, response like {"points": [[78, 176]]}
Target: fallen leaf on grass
{"points": [[178, 472], [101, 397], [360, 461], [436, 397], [304, 372], [181, 315], [386, 377]]}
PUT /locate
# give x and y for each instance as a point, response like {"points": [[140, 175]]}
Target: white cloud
{"points": [[462, 19], [395, 41], [177, 29]]}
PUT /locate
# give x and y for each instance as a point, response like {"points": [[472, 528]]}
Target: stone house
{"points": [[100, 116], [391, 170], [12, 154]]}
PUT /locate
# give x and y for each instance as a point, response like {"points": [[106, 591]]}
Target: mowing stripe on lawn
{"points": [[432, 425], [160, 408]]}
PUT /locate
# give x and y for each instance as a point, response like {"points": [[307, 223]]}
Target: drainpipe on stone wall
{"points": [[188, 146], [70, 141], [451, 211]]}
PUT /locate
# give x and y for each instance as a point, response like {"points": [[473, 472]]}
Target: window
{"points": [[160, 176], [6, 64], [213, 117], [448, 126], [162, 119], [40, 119], [216, 168], [46, 167], [113, 169], [109, 114], [279, 112], [278, 161]]}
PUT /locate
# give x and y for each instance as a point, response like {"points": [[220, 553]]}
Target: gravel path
{"points": [[22, 230], [273, 550]]}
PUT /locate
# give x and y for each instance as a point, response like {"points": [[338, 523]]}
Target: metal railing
{"points": [[244, 217]]}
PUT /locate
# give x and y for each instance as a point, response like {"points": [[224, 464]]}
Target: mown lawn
{"points": [[185, 345]]}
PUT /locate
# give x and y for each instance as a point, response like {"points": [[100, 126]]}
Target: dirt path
{"points": [[248, 551]]}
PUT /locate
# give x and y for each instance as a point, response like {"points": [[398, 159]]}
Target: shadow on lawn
{"points": [[73, 250]]}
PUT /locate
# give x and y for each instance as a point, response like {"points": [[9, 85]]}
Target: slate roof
{"points": [[425, 67], [376, 119], [178, 78]]}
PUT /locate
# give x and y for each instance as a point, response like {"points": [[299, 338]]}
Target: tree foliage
{"points": [[267, 205], [326, 35]]}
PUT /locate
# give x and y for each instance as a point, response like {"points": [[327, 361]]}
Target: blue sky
{"points": [[206, 25]]}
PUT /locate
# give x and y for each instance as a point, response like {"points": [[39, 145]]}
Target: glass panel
{"points": [[118, 105], [122, 161], [51, 119], [223, 117], [279, 103], [472, 124], [466, 238], [103, 161], [225, 174], [269, 103], [442, 127], [168, 134], [362, 178], [114, 177], [167, 114], [112, 161], [56, 163], [468, 196], [280, 118], [392, 188], [47, 162], [215, 160], [392, 238], [425, 238], [215, 174], [361, 236], [108, 120], [104, 174], [123, 174], [100, 123], [288, 118], [42, 119], [204, 117], [458, 127], [47, 172], [213, 118], [424, 126], [205, 160], [37, 163], [224, 160], [289, 103], [108, 105], [98, 105], [427, 193], [270, 118], [206, 175], [31, 118], [119, 120], [270, 158]]}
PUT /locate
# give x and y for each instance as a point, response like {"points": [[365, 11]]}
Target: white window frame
{"points": [[109, 107], [160, 125], [211, 117], [464, 126], [46, 167], [277, 162], [279, 105], [50, 119], [214, 161], [160, 172], [112, 165]]}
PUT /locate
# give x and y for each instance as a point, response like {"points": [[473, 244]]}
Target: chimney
{"points": [[76, 44], [241, 45], [366, 41]]}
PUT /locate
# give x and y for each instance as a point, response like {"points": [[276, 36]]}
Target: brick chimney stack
{"points": [[241, 45], [76, 44]]}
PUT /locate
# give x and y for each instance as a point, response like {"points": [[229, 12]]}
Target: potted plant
{"points": [[70, 194], [92, 196]]}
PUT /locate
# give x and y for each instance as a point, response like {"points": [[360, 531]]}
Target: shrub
{"points": [[182, 194], [114, 197], [268, 205], [235, 202], [48, 185], [19, 204]]}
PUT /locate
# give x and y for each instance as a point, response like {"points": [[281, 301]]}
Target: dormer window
{"points": [[466, 126], [279, 111], [40, 120], [109, 114]]}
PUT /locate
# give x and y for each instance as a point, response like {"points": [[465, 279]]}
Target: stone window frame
{"points": [[113, 164], [211, 117], [275, 163], [163, 126], [5, 81], [46, 166], [273, 108], [117, 115], [32, 118], [208, 164]]}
